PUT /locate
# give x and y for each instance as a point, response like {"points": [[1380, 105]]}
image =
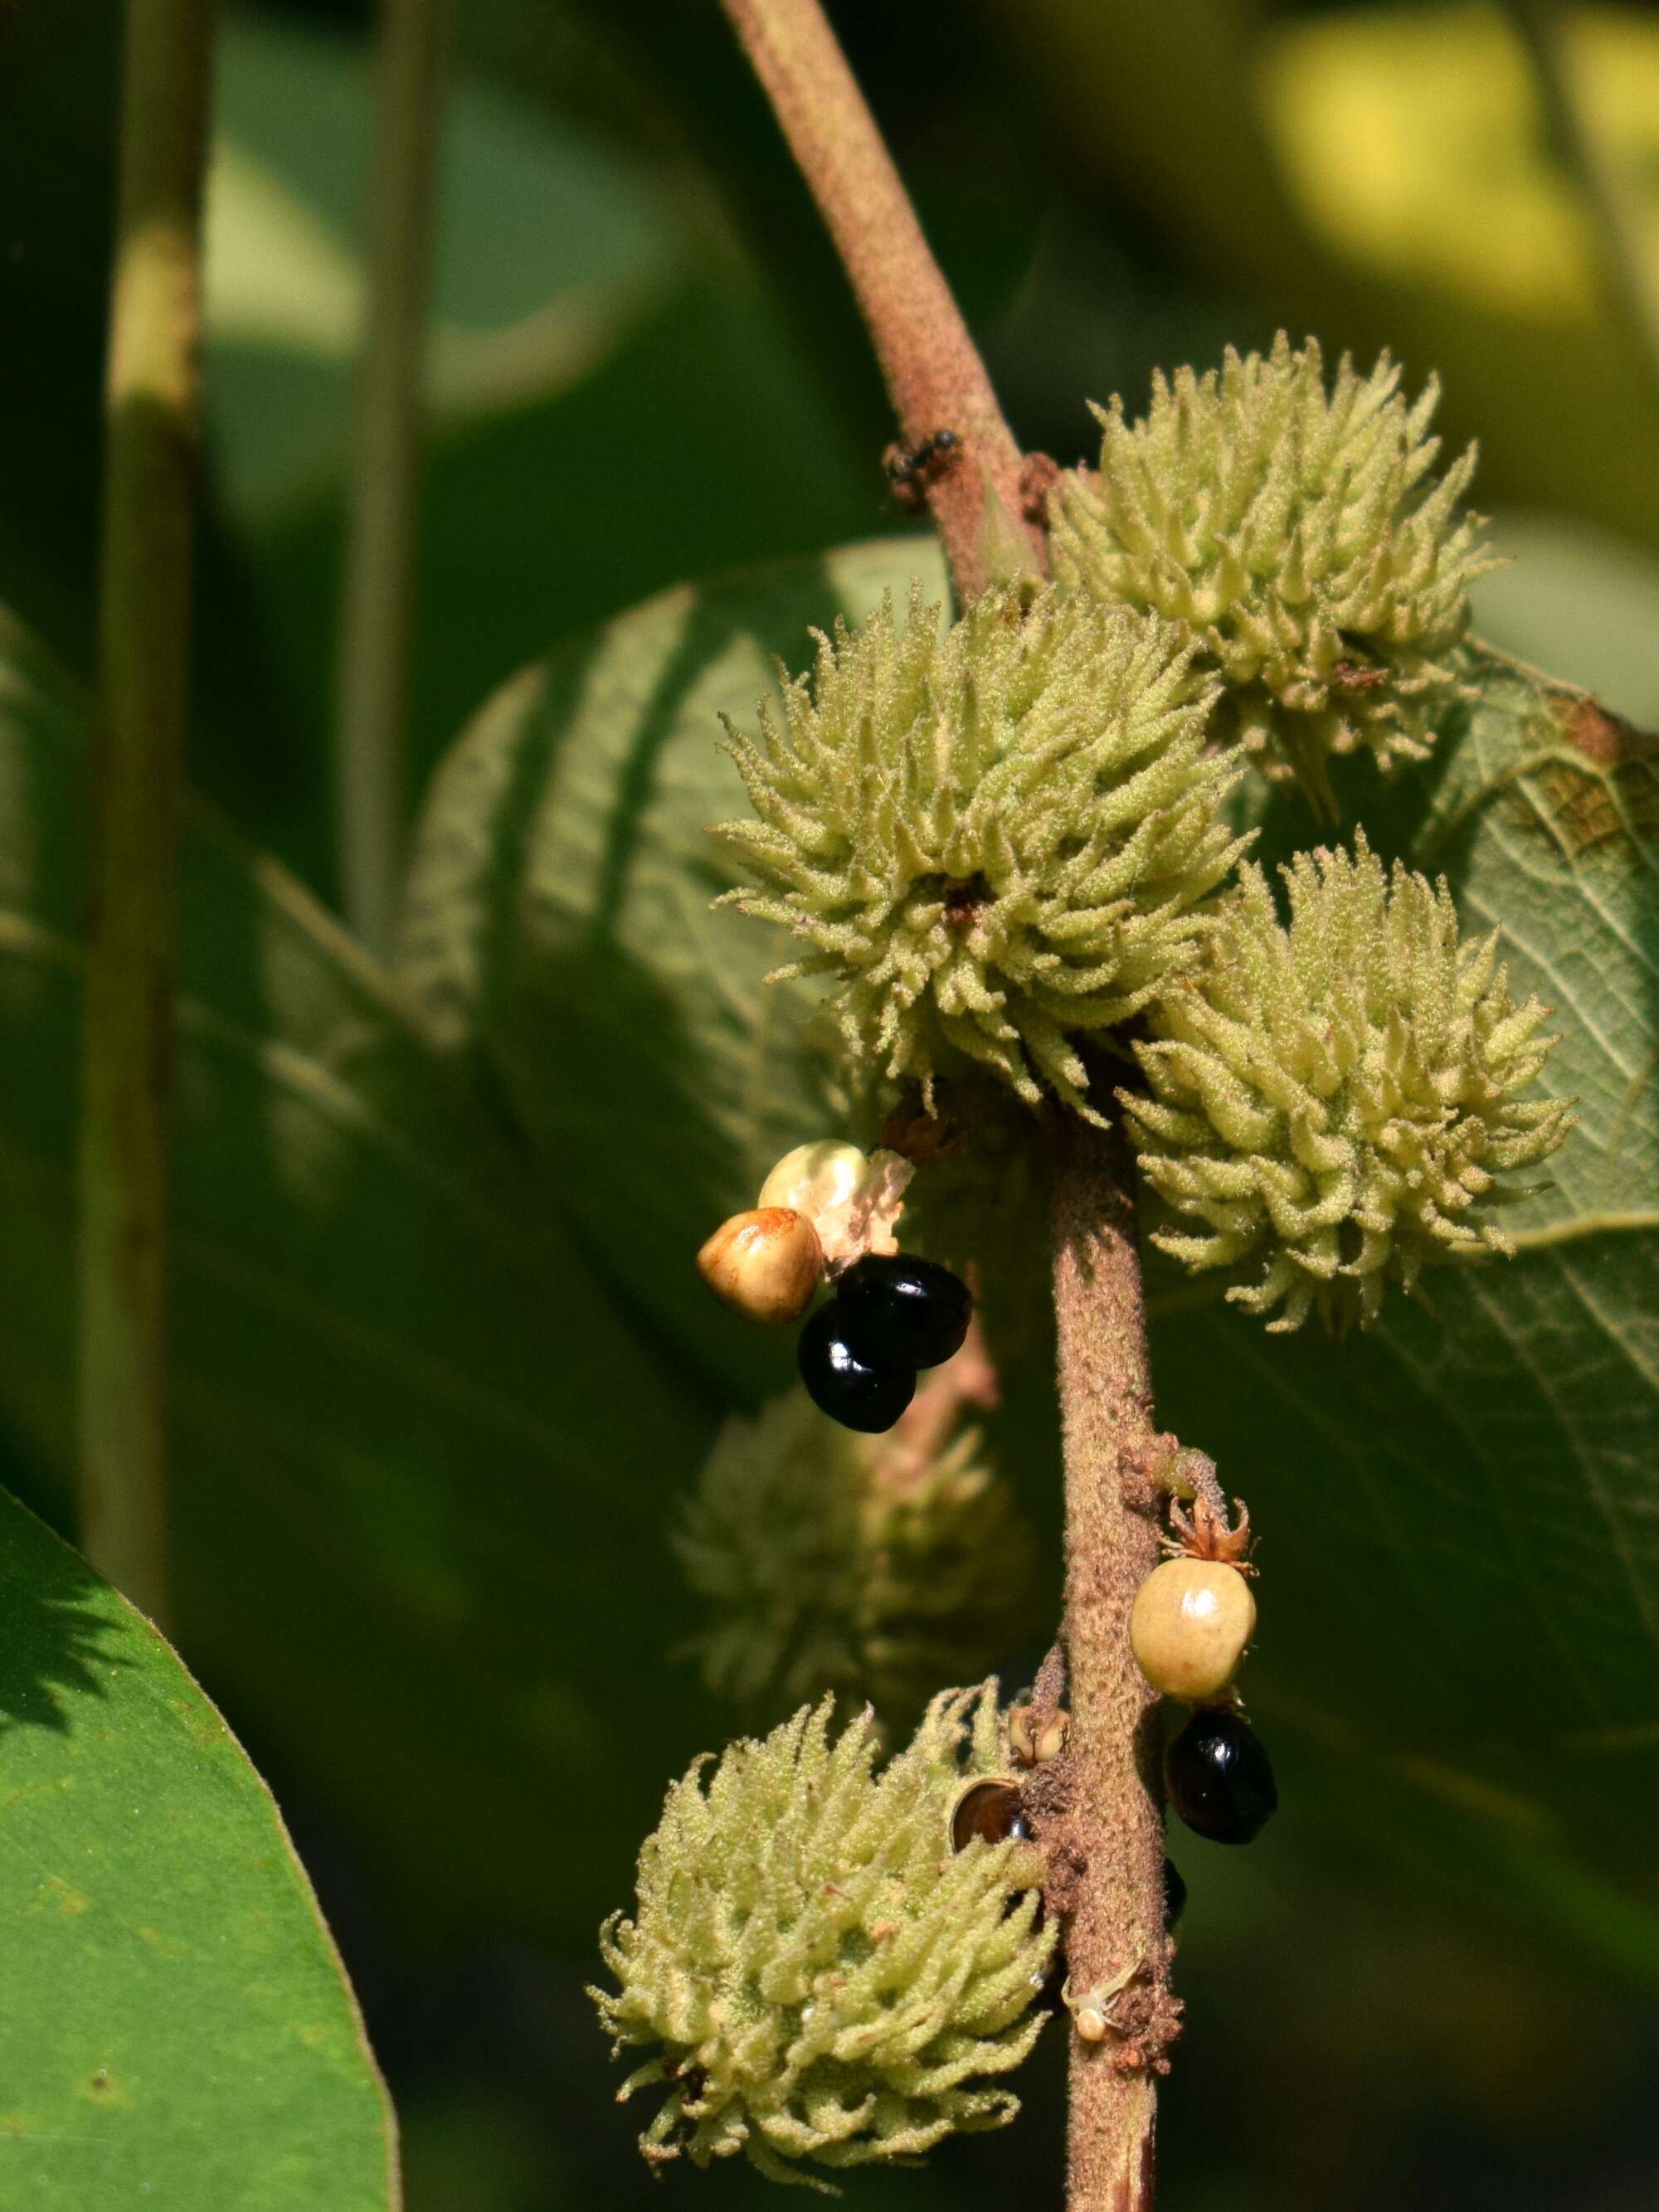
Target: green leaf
{"points": [[589, 332], [1463, 1507], [422, 1457], [176, 2019], [1580, 600], [548, 250], [1378, 175], [558, 930], [1461, 1512]]}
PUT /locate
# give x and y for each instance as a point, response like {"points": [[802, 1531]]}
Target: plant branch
{"points": [[1609, 194], [934, 375], [1101, 1824], [144, 627], [372, 689], [1112, 1831]]}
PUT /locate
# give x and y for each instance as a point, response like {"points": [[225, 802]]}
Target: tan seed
{"points": [[763, 1264]]}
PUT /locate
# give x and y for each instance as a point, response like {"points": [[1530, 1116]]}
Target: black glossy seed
{"points": [[844, 1381], [906, 1308], [1175, 1894], [1218, 1777], [991, 1809]]}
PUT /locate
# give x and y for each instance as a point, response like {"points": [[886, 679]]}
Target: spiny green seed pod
{"points": [[876, 1566], [1301, 539], [826, 1978], [1336, 1099], [991, 839]]}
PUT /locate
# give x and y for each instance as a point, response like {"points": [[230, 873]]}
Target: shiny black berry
{"points": [[1175, 1894], [844, 1381], [906, 1308], [1218, 1777]]}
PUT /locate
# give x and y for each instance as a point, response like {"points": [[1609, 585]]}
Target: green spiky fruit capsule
{"points": [[819, 1975], [1334, 1100], [876, 1566], [1301, 536], [992, 839]]}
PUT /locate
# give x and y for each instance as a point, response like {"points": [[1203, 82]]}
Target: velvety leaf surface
{"points": [[1460, 1513], [1465, 1502], [177, 2028], [421, 1453]]}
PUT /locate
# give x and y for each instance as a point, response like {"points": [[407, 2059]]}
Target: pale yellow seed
{"points": [[764, 1264], [1191, 1622], [816, 1178]]}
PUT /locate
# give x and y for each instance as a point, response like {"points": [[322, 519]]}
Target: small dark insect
{"points": [[1352, 676], [910, 469], [963, 897], [990, 1810]]}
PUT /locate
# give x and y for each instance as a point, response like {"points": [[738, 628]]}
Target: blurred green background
{"points": [[644, 368]]}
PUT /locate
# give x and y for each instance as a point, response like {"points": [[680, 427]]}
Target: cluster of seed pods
{"points": [[890, 1314], [858, 1353], [1193, 1620]]}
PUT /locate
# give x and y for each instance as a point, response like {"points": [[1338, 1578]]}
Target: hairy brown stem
{"points": [[1097, 1807], [934, 375], [1111, 1829], [145, 611]]}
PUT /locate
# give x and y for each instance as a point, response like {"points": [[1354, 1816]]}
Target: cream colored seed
{"points": [[816, 1178], [1191, 1622], [764, 1264]]}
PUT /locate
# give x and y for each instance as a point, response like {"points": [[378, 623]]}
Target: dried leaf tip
{"points": [[1301, 537], [993, 838], [1334, 1100]]}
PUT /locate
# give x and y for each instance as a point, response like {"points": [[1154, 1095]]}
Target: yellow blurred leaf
{"points": [[1413, 143]]}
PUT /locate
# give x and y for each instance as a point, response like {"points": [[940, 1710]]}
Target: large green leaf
{"points": [[558, 930], [1461, 1512], [421, 1454], [589, 332], [1465, 1502], [1579, 601], [176, 2022]]}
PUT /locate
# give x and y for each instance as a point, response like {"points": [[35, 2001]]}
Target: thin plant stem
{"points": [[144, 630], [934, 375], [372, 686], [1609, 193], [1113, 1826], [1102, 1821]]}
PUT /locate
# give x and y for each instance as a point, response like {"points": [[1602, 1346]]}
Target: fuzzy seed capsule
{"points": [[1191, 1622], [763, 1264]]}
